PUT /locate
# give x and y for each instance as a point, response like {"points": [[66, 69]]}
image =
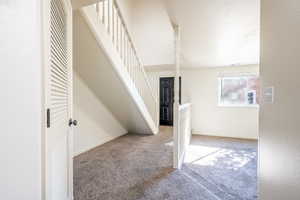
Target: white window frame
{"points": [[220, 82]]}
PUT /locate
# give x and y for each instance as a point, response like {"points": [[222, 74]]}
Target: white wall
{"points": [[279, 173], [149, 19], [96, 123], [153, 33], [21, 100], [154, 77], [200, 87]]}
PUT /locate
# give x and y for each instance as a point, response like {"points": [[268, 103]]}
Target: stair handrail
{"points": [[134, 49], [113, 20]]}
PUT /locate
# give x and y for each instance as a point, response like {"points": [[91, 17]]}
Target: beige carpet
{"points": [[135, 167]]}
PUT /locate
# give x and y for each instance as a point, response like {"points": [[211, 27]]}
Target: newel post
{"points": [[176, 124]]}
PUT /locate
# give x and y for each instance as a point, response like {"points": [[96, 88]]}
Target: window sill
{"points": [[237, 106]]}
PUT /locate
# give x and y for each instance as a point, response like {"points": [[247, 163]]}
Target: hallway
{"points": [[135, 167]]}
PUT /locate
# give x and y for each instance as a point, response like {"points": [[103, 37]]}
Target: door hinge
{"points": [[48, 118]]}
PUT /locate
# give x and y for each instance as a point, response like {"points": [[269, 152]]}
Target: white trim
{"points": [[237, 75], [166, 76], [104, 140], [201, 133], [176, 116], [238, 105], [45, 55], [192, 68], [159, 68]]}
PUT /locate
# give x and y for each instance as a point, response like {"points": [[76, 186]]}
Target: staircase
{"points": [[105, 56]]}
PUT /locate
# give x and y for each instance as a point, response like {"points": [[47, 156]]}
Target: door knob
{"points": [[73, 122]]}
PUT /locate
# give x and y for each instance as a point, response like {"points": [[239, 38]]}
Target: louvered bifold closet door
{"points": [[59, 95], [59, 64]]}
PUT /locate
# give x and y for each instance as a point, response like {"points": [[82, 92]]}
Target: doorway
{"points": [[166, 99]]}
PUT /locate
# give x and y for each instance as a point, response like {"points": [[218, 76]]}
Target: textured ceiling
{"points": [[217, 32]]}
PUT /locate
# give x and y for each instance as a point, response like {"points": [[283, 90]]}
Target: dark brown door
{"points": [[166, 101]]}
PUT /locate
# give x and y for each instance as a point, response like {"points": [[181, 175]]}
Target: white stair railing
{"points": [[110, 16]]}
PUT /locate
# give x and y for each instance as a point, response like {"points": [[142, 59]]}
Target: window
{"points": [[239, 91]]}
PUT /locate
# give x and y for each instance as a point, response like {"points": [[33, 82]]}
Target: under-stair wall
{"points": [[110, 67], [97, 124]]}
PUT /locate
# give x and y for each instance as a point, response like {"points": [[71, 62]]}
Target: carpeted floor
{"points": [[135, 167]]}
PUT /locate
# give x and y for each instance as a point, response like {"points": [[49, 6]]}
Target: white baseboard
{"points": [[196, 132], [103, 141]]}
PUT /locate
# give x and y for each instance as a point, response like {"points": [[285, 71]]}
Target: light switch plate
{"points": [[268, 95]]}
